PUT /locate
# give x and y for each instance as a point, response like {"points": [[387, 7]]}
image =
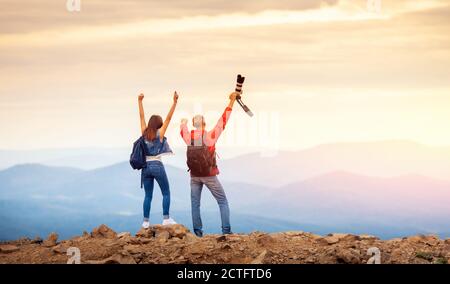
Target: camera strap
{"points": [[244, 107]]}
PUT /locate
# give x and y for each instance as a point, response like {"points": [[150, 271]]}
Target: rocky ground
{"points": [[176, 244]]}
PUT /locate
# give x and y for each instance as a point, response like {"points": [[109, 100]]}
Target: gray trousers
{"points": [[216, 189]]}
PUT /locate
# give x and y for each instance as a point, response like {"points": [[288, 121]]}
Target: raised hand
{"points": [[141, 113], [233, 96], [163, 128]]}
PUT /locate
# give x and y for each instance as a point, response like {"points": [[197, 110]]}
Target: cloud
{"points": [[158, 27], [38, 15], [304, 51], [34, 15], [79, 81]]}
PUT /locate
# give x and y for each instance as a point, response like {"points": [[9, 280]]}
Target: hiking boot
{"points": [[198, 233]]}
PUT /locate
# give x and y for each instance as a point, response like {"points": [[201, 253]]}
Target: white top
{"points": [[157, 157], [153, 158]]}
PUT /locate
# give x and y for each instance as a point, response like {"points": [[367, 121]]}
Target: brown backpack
{"points": [[200, 160]]}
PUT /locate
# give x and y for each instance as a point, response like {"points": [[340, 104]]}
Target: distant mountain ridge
{"points": [[334, 202], [86, 158], [378, 159], [382, 158]]}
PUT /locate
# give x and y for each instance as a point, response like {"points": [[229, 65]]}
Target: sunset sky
{"points": [[317, 71]]}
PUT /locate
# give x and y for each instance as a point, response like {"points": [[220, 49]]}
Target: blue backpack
{"points": [[138, 155]]}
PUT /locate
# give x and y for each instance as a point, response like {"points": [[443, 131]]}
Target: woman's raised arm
{"points": [[141, 113], [166, 123]]}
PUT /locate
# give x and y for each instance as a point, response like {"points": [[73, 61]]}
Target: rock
{"points": [[59, 249], [173, 231], [190, 238], [197, 250], [103, 231], [221, 238], [122, 257], [350, 238], [123, 235], [111, 243], [146, 233], [37, 240], [23, 241], [125, 238], [138, 257], [260, 258], [115, 259], [256, 233], [416, 239], [311, 236], [332, 239], [236, 238], [175, 244], [396, 256], [431, 240], [177, 230], [51, 241], [226, 247], [162, 236], [294, 233], [8, 248], [396, 240], [265, 240], [133, 249], [329, 240], [368, 238], [348, 256], [141, 241]]}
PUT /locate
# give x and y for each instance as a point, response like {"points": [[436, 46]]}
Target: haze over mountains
{"points": [[382, 159], [387, 189]]}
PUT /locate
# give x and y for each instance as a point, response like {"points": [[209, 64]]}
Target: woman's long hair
{"points": [[154, 123]]}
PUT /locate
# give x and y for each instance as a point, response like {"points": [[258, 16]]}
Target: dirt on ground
{"points": [[176, 244]]}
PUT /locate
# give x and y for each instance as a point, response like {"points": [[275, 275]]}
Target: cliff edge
{"points": [[176, 244]]}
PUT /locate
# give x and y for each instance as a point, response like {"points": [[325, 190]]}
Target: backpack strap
{"points": [[192, 137]]}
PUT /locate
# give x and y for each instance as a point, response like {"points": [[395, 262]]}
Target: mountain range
{"points": [[378, 159], [37, 199]]}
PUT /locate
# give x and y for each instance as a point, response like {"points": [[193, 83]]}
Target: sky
{"points": [[317, 71]]}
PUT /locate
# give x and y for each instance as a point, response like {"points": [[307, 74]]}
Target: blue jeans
{"points": [[216, 189], [155, 171]]}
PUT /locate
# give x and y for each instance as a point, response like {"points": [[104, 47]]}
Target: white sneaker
{"points": [[146, 224], [169, 221]]}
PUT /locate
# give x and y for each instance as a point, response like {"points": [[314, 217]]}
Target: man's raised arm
{"points": [[220, 125]]}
